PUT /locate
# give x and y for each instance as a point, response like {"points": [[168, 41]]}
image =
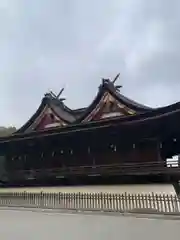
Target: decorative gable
{"points": [[109, 107], [108, 103], [49, 120]]}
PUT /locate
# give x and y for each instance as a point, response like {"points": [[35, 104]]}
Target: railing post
{"points": [[90, 201], [42, 199]]}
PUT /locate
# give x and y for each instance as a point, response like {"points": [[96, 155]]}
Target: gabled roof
{"points": [[108, 87], [69, 116], [56, 105], [157, 122]]}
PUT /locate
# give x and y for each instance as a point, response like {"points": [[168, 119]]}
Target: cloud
{"points": [[48, 44]]}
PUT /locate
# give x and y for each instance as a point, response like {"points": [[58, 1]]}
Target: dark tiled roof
{"points": [[76, 116], [56, 105], [75, 112], [108, 86], [156, 119], [34, 116], [59, 108], [131, 103]]}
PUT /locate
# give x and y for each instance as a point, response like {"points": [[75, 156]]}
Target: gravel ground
{"points": [[20, 225]]}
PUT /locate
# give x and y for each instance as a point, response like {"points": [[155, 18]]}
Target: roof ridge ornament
{"points": [[112, 82], [117, 87], [105, 80], [51, 94], [60, 92], [116, 77]]}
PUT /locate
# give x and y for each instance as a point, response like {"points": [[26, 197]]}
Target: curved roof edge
{"points": [[76, 116], [33, 117], [55, 105], [108, 86], [172, 111]]}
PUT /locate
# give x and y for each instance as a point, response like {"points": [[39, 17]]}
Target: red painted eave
{"points": [[165, 115]]}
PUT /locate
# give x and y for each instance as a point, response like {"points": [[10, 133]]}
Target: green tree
{"points": [[6, 131]]}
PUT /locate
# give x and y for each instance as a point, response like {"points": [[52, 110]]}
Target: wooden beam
{"points": [[115, 79]]}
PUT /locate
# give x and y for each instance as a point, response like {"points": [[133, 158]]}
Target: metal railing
{"points": [[106, 202]]}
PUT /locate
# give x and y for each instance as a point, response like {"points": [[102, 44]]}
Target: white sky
{"points": [[48, 44]]}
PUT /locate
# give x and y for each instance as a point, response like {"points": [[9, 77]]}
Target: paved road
{"points": [[29, 225]]}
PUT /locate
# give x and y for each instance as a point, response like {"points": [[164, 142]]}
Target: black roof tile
{"points": [[76, 116]]}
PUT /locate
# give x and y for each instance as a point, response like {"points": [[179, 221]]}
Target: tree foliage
{"points": [[6, 131]]}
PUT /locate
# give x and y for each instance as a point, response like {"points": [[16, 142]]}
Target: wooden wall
{"points": [[54, 154]]}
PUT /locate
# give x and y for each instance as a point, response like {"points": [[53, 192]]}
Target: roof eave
{"points": [[22, 129], [148, 117]]}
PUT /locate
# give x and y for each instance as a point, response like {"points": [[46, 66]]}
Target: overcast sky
{"points": [[49, 44]]}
